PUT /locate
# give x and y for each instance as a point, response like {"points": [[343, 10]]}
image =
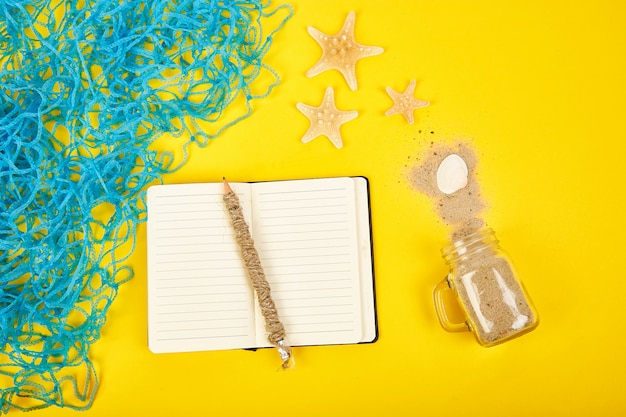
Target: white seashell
{"points": [[452, 174]]}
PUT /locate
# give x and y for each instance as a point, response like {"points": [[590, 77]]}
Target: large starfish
{"points": [[326, 119], [341, 52], [405, 103]]}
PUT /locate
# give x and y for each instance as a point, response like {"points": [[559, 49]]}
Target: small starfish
{"points": [[326, 119], [405, 103], [341, 52]]}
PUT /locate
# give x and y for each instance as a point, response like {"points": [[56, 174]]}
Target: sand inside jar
{"points": [[495, 301]]}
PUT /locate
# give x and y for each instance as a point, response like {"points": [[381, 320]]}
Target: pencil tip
{"points": [[227, 188]]}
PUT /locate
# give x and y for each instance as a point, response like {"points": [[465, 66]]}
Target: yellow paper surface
{"points": [[538, 89]]}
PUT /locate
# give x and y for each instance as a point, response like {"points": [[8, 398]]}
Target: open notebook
{"points": [[313, 238]]}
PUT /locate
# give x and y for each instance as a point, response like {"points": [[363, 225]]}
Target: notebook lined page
{"points": [[305, 235], [198, 294]]}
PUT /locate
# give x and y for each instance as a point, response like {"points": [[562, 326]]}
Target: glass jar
{"points": [[494, 303]]}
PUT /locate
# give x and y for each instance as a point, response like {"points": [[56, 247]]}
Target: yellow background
{"points": [[538, 88]]}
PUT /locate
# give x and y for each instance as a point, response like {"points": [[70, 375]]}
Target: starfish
{"points": [[326, 119], [405, 103], [341, 52]]}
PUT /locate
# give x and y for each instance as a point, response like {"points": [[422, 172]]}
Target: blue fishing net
{"points": [[86, 88]]}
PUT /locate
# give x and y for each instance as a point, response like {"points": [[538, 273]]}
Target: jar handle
{"points": [[440, 308]]}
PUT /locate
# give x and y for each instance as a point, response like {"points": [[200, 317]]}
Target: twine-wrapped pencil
{"points": [[273, 325]]}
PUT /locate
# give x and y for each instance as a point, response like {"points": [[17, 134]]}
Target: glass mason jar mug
{"points": [[495, 304]]}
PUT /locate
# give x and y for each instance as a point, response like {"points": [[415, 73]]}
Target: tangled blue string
{"points": [[86, 87]]}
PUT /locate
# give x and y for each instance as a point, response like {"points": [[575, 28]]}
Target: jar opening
{"points": [[470, 244]]}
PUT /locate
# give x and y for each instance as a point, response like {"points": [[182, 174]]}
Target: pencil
{"points": [[273, 325]]}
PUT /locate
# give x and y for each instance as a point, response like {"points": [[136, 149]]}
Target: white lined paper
{"points": [[306, 240], [197, 288], [308, 236]]}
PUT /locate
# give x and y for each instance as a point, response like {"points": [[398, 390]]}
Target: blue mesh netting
{"points": [[86, 87]]}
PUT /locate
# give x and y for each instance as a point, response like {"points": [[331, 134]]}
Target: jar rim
{"points": [[469, 243]]}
